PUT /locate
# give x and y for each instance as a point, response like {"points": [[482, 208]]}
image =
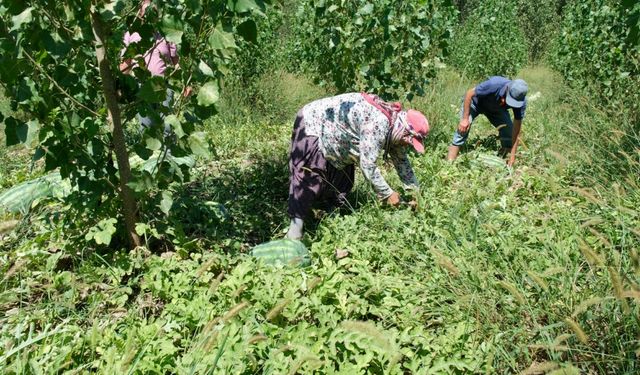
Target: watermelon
{"points": [[20, 197], [282, 252], [491, 161]]}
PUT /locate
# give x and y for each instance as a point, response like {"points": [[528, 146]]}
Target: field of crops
{"points": [[533, 269]]}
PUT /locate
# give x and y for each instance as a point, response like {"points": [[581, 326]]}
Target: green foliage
{"points": [[633, 21], [260, 55], [598, 50], [496, 271], [388, 47], [466, 7], [49, 72], [539, 22], [490, 41]]}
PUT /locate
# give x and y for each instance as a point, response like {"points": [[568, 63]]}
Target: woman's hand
{"points": [[393, 199]]}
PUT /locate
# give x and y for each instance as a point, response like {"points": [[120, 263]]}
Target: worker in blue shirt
{"points": [[493, 98]]}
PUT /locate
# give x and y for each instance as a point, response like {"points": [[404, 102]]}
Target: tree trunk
{"points": [[122, 156]]}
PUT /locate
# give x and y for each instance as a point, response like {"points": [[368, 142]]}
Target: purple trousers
{"points": [[312, 177]]}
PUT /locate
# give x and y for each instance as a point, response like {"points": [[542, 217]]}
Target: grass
{"points": [[528, 270]]}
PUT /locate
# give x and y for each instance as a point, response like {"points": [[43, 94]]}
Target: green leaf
{"points": [[141, 228], [175, 124], [209, 94], [221, 39], [242, 6], [198, 144], [367, 9], [15, 132], [195, 6], [102, 232], [153, 90], [143, 152], [22, 18], [153, 144], [248, 30], [142, 182], [111, 9], [205, 69], [173, 28], [189, 161], [28, 92], [166, 202]]}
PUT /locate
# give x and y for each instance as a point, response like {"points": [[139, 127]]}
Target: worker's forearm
{"points": [[467, 103], [515, 140]]}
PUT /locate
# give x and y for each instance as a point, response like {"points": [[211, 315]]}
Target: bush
{"points": [[597, 49], [490, 42]]}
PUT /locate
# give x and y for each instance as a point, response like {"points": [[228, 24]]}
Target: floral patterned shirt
{"points": [[351, 130]]}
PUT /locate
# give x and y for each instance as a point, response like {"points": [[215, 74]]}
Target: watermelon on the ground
{"points": [[20, 197], [492, 161], [282, 252]]}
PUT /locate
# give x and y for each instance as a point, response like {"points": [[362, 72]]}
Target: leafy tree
{"points": [[597, 49], [490, 41], [633, 21], [466, 7], [59, 68], [539, 21], [255, 58], [389, 47]]}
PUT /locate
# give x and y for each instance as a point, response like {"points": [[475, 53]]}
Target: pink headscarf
{"points": [[389, 109], [402, 123]]}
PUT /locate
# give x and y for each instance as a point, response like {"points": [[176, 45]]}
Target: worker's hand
{"points": [[463, 126], [394, 199]]}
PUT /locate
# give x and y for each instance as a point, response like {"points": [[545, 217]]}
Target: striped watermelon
{"points": [[492, 161], [20, 197], [282, 252]]}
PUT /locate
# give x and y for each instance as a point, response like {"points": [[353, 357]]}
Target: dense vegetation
{"points": [[389, 47], [533, 269], [599, 50], [490, 41]]}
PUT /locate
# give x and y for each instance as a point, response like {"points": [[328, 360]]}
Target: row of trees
{"points": [[598, 48]]}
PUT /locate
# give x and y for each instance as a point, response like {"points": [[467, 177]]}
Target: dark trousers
{"points": [[312, 177]]}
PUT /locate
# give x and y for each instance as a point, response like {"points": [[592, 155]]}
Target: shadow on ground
{"points": [[241, 203]]}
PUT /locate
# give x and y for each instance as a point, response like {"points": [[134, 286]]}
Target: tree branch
{"points": [[57, 85]]}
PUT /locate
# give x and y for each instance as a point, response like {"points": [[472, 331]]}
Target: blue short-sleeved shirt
{"points": [[488, 94]]}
